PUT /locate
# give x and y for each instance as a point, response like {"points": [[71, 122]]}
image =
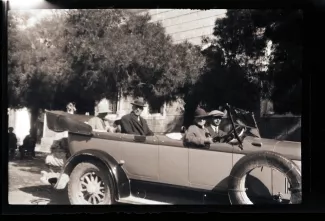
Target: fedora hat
{"points": [[200, 113], [139, 102], [216, 113]]}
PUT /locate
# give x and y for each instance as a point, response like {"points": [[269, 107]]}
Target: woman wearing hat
{"points": [[133, 123], [98, 122], [197, 135]]}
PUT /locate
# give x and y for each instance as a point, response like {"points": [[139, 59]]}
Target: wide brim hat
{"points": [[103, 107], [200, 113], [139, 102], [216, 113]]}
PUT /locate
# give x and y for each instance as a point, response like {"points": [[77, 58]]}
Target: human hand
{"points": [[208, 140]]}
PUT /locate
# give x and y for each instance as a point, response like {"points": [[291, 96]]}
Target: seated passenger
{"points": [[97, 123], [133, 123], [197, 135]]}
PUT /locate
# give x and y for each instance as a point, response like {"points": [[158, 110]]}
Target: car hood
{"points": [[289, 149]]}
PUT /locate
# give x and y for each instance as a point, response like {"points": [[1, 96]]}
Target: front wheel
{"points": [[90, 184]]}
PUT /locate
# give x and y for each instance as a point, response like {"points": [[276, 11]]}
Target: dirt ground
{"points": [[25, 186]]}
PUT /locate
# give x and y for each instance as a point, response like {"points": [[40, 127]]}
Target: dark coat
{"points": [[131, 125], [216, 136], [12, 141], [29, 142]]}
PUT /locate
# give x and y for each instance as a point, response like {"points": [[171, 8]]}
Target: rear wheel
{"points": [[90, 184], [236, 185]]}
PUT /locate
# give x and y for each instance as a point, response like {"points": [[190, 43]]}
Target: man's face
{"points": [[216, 121], [137, 110]]}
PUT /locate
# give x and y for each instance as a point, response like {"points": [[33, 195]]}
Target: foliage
{"points": [[34, 67], [83, 56], [116, 53], [241, 44]]}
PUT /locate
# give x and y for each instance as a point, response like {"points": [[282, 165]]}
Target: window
{"points": [[156, 107]]}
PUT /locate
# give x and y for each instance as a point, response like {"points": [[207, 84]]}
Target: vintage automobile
{"points": [[109, 168]]}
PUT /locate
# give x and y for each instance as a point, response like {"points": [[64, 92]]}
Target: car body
{"points": [[148, 165]]}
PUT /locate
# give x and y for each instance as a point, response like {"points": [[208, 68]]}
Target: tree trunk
{"points": [[33, 121]]}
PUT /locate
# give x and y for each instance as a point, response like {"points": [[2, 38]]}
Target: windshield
{"points": [[246, 119]]}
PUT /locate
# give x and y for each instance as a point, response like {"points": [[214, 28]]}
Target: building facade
{"points": [[186, 24]]}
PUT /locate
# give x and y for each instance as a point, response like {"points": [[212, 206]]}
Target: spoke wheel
{"points": [[92, 188], [90, 184]]}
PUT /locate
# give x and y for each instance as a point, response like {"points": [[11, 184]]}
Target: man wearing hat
{"points": [[133, 123], [197, 135], [214, 120]]}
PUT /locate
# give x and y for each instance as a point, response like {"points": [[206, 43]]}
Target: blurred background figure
{"points": [[12, 141], [71, 108], [28, 146]]}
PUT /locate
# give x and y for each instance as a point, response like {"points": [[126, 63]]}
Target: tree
{"points": [[83, 56], [34, 65], [117, 53], [243, 37]]}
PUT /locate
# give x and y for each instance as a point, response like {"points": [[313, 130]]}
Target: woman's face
{"points": [[200, 121]]}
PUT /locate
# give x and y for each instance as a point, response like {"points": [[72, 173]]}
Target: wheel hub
{"points": [[92, 188]]}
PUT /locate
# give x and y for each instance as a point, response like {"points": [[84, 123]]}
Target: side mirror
{"points": [[139, 138]]}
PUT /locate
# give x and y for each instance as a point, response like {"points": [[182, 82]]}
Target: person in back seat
{"points": [[97, 123], [133, 123]]}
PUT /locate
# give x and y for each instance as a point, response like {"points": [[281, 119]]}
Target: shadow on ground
{"points": [[32, 165], [46, 195]]}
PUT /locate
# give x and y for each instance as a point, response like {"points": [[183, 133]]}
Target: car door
{"points": [[173, 161], [140, 155], [209, 168]]}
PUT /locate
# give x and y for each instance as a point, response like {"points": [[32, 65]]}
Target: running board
{"points": [[140, 201]]}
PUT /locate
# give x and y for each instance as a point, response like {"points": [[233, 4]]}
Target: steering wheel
{"points": [[229, 136]]}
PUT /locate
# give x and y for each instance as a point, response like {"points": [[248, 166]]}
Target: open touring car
{"points": [[108, 168]]}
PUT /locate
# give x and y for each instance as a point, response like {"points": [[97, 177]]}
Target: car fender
{"points": [[121, 181]]}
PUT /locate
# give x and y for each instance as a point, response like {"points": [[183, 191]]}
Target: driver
{"points": [[213, 123], [220, 135]]}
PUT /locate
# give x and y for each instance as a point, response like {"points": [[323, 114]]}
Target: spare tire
{"points": [[236, 183]]}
